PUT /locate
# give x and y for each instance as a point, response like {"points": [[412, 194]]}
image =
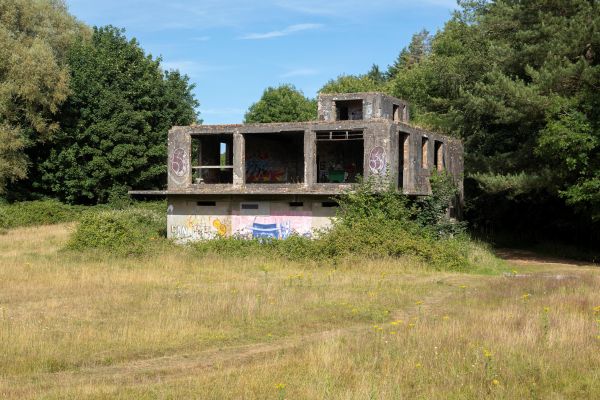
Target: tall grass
{"points": [[179, 325]]}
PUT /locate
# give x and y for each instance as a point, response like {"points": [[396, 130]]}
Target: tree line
{"points": [[84, 112]]}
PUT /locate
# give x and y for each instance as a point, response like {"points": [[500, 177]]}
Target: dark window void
{"points": [[349, 109], [206, 203], [275, 157], [438, 156], [339, 156], [250, 206], [403, 156], [212, 158], [296, 204], [329, 204], [424, 153]]}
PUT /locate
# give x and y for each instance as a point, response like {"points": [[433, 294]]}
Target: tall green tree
{"points": [[418, 48], [518, 81], [370, 82], [35, 37], [114, 124], [284, 103]]}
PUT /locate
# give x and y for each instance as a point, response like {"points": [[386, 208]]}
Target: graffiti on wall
{"points": [[377, 162], [262, 168], [179, 163], [277, 225], [199, 227]]}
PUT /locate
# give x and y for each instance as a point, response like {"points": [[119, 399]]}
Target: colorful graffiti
{"points": [[199, 227], [377, 162], [276, 225], [261, 168], [179, 162]]}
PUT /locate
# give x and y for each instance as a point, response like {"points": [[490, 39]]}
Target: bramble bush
{"points": [[129, 231], [40, 212], [371, 224]]}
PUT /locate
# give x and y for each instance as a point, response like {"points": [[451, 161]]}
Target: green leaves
{"points": [[284, 103], [115, 123]]}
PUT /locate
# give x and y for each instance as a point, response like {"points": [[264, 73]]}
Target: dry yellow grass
{"points": [[177, 326]]}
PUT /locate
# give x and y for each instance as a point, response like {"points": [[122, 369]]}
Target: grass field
{"points": [[176, 325]]}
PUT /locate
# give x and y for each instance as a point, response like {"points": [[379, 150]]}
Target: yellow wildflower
{"points": [[280, 386], [487, 353], [418, 365], [445, 318], [495, 382]]}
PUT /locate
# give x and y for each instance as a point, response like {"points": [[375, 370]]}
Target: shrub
{"points": [[369, 224], [44, 212], [131, 231]]}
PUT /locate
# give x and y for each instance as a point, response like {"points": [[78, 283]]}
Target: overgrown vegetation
{"points": [[43, 212], [175, 325], [83, 111], [130, 231], [372, 223]]}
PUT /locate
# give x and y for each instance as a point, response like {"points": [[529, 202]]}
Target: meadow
{"points": [[182, 324]]}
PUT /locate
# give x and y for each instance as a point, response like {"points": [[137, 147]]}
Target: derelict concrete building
{"points": [[275, 179]]}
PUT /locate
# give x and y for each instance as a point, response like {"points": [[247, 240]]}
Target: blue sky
{"points": [[233, 49]]}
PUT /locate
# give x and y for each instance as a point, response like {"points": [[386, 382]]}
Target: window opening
{"points": [[438, 156], [275, 157], [212, 159], [340, 156], [424, 153], [403, 156], [349, 110]]}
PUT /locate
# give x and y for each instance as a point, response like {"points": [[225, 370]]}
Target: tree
{"points": [[418, 48], [114, 123], [518, 81], [34, 80], [284, 103], [354, 83]]}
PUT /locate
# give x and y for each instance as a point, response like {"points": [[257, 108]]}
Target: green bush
{"points": [[370, 224], [44, 212], [131, 231]]}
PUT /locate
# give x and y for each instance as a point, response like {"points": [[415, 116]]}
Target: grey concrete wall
{"points": [[192, 218], [382, 146], [375, 106]]}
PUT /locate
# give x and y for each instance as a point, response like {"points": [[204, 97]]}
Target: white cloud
{"points": [[284, 32], [357, 8], [299, 72]]}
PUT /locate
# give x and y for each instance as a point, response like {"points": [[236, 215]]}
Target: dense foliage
{"points": [[35, 37], [131, 231], [371, 223], [518, 81], [284, 103], [115, 123]]}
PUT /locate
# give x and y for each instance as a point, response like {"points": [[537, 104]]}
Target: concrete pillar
{"points": [[239, 160], [179, 171], [310, 158]]}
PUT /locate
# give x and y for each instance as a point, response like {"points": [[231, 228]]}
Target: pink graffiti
{"points": [[377, 160], [178, 162]]}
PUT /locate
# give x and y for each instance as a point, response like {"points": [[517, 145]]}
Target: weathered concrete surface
{"points": [[390, 148], [193, 218]]}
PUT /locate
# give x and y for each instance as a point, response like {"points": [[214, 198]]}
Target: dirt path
{"points": [[525, 257]]}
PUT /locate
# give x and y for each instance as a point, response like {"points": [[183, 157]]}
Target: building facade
{"points": [[277, 179]]}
